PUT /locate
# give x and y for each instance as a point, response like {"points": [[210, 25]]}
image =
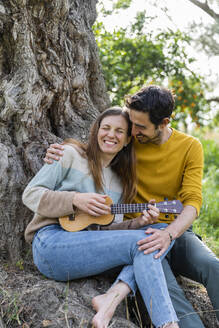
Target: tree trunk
{"points": [[51, 87]]}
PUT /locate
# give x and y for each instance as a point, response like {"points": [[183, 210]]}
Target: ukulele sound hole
{"points": [[71, 217]]}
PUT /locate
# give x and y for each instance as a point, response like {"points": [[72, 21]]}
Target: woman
{"points": [[82, 179]]}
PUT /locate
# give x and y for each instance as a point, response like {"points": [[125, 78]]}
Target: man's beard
{"points": [[155, 140]]}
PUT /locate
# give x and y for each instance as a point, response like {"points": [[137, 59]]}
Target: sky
{"points": [[182, 12]]}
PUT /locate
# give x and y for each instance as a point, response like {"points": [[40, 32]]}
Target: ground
{"points": [[28, 300]]}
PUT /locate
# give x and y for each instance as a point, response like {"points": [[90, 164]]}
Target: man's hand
{"points": [[159, 240], [54, 152], [91, 203]]}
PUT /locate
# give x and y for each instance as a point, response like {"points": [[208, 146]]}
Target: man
{"points": [[170, 165]]}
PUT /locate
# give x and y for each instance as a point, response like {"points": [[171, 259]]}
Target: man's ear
{"points": [[165, 122]]}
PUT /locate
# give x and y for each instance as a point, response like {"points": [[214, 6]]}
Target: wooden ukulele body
{"points": [[83, 220]]}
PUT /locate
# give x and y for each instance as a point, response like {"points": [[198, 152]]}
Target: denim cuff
{"points": [[127, 276]]}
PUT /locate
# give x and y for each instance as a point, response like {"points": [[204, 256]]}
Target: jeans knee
{"points": [[138, 235], [42, 264]]}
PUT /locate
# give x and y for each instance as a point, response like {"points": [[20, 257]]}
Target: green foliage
{"points": [[130, 58], [215, 121], [208, 223], [116, 5], [210, 208], [122, 4], [205, 37], [190, 100], [211, 155], [208, 235]]}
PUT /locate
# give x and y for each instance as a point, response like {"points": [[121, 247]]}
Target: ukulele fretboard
{"points": [[173, 206], [128, 208]]}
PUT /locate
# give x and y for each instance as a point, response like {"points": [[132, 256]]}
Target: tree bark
{"points": [[51, 87]]}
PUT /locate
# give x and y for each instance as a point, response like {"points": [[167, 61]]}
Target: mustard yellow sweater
{"points": [[172, 170]]}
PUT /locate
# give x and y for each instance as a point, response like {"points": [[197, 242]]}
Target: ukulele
{"points": [[80, 220]]}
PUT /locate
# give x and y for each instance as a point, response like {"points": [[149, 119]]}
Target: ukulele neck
{"points": [[174, 206], [128, 208]]}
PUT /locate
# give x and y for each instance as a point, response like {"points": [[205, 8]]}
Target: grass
{"points": [[208, 235], [10, 307], [207, 225]]}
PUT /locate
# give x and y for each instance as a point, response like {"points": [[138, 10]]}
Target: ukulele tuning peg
{"points": [[165, 200]]}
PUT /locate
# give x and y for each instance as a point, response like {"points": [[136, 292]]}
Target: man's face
{"points": [[143, 129]]}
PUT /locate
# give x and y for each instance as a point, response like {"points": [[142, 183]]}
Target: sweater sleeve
{"points": [[191, 190], [41, 194]]}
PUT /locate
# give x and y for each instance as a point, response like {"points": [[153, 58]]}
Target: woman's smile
{"points": [[112, 135]]}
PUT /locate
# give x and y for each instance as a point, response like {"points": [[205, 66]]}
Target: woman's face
{"points": [[112, 134]]}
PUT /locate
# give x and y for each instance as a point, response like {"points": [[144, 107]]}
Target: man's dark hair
{"points": [[158, 102]]}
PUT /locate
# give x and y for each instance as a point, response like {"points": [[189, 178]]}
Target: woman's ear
{"points": [[128, 141]]}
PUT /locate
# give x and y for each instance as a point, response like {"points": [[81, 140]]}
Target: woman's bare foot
{"points": [[105, 305]]}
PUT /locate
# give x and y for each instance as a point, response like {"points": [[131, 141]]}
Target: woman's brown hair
{"points": [[123, 164]]}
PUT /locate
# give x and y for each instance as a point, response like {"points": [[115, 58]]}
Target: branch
{"points": [[206, 8], [216, 99]]}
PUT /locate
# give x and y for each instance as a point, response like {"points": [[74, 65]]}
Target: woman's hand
{"points": [[149, 216], [91, 203]]}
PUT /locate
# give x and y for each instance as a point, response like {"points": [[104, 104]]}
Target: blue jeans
{"points": [[64, 256]]}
